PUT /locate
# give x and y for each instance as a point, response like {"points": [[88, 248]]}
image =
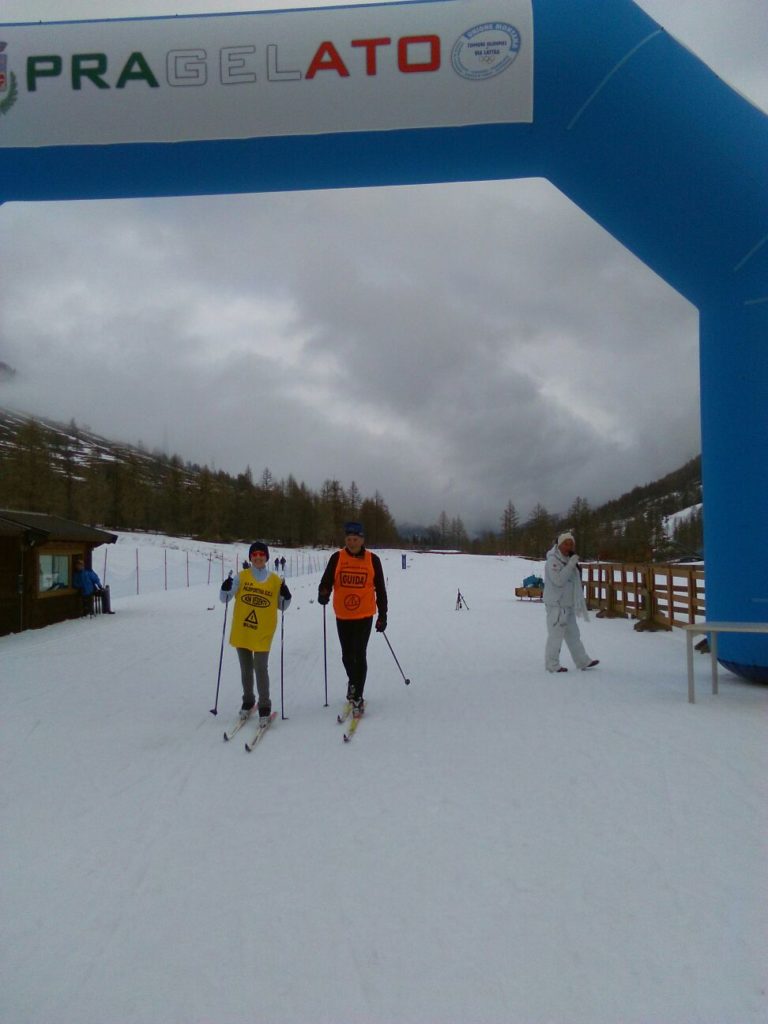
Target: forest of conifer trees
{"points": [[67, 471]]}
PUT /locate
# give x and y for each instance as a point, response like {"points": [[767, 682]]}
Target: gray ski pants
{"points": [[255, 663], [562, 625]]}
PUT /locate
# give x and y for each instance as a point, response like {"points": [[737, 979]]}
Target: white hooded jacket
{"points": [[562, 583]]}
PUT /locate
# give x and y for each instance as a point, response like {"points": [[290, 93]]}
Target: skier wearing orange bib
{"points": [[356, 578]]}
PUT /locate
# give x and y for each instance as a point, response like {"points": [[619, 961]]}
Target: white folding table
{"points": [[713, 628]]}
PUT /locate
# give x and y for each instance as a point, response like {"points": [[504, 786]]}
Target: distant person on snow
{"points": [[564, 601], [258, 594], [88, 583], [356, 578]]}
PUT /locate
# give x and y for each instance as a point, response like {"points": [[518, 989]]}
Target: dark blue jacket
{"points": [[86, 581]]}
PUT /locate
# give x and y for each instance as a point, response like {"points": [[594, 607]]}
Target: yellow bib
{"points": [[254, 618]]}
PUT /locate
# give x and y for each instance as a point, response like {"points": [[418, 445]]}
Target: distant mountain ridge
{"points": [[73, 444], [70, 470], [680, 489]]}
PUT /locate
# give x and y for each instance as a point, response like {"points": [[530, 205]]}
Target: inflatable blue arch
{"points": [[593, 95]]}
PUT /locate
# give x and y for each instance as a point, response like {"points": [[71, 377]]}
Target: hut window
{"points": [[55, 573]]}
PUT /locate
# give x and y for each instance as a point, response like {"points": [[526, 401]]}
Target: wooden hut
{"points": [[37, 553]]}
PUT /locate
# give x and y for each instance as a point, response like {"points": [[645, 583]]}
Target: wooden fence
{"points": [[660, 595]]}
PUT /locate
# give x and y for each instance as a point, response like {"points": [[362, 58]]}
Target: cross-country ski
{"points": [[259, 734], [353, 727], [237, 725], [345, 712]]}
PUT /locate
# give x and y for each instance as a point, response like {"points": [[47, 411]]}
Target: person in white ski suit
{"points": [[564, 601]]}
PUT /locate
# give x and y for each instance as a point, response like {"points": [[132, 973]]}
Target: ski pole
{"points": [[389, 645], [325, 660], [282, 647], [215, 708]]}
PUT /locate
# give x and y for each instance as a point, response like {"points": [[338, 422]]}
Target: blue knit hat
{"points": [[355, 528], [258, 545]]}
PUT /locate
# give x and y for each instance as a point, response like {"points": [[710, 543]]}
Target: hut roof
{"points": [[13, 523]]}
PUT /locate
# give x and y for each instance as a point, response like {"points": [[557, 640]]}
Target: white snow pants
{"points": [[562, 625]]}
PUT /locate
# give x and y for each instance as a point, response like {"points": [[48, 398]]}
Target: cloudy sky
{"points": [[346, 334]]}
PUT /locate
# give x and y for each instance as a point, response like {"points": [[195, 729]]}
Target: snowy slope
{"points": [[496, 846]]}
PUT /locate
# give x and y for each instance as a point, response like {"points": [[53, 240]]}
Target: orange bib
{"points": [[354, 596]]}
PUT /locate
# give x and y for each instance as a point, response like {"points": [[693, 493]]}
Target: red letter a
{"points": [[327, 59]]}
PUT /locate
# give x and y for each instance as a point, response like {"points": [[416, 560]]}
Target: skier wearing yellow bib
{"points": [[258, 595]]}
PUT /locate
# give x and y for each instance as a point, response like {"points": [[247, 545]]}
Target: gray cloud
{"points": [[375, 335]]}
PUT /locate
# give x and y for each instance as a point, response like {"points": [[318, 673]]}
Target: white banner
{"points": [[347, 69]]}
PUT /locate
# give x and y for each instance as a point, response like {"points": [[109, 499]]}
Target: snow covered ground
{"points": [[496, 846]]}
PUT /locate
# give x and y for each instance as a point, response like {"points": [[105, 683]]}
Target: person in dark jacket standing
{"points": [[88, 583], [355, 577]]}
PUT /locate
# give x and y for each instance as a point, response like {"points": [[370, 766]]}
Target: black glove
{"points": [[323, 598], [381, 623], [227, 584]]}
